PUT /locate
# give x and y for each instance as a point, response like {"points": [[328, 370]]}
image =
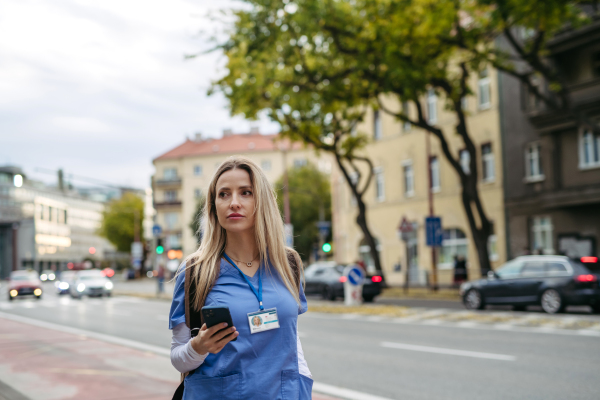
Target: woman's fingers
{"points": [[223, 333], [215, 328]]}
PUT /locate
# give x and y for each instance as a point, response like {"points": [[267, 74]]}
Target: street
{"points": [[369, 356]]}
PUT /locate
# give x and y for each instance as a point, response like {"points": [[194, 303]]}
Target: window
{"points": [[171, 220], [379, 184], [484, 89], [265, 165], [377, 129], [434, 166], [170, 195], [197, 193], [464, 103], [174, 241], [465, 160], [533, 163], [589, 150], [493, 247], [50, 212], [541, 235], [511, 269], [487, 158], [65, 216], [431, 106], [198, 170], [455, 243], [42, 209], [354, 180], [300, 162], [170, 174], [533, 268], [406, 126], [409, 179]]}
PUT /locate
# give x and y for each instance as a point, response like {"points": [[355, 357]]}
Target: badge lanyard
{"points": [[257, 294]]}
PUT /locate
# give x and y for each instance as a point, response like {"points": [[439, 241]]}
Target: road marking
{"points": [[100, 336], [344, 393], [453, 352]]}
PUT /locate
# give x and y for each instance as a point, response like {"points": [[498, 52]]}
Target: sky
{"points": [[100, 88]]}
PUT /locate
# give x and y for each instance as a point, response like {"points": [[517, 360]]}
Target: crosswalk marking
{"points": [[445, 351]]}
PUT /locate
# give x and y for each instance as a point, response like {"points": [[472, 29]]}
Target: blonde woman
{"points": [[242, 263]]}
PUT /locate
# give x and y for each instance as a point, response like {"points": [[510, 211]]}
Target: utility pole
{"points": [[431, 214]]}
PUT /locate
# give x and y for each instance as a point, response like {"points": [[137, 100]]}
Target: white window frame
{"points": [[408, 173], [488, 164], [377, 125], [541, 227], [168, 197], [265, 165], [198, 170], [453, 243], [589, 149], [493, 248], [484, 90], [170, 174], [379, 184], [171, 220], [436, 181], [431, 106], [533, 156], [465, 162]]}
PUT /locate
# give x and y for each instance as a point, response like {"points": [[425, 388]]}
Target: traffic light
{"points": [[326, 247], [159, 247]]}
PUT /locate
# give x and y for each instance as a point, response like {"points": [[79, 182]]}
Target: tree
{"points": [[196, 219], [122, 221], [310, 201]]}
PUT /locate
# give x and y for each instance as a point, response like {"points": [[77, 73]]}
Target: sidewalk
{"points": [[46, 364]]}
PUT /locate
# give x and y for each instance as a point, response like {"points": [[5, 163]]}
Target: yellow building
{"points": [[183, 174], [400, 188]]}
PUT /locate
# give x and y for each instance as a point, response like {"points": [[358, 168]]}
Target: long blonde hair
{"points": [[268, 228]]}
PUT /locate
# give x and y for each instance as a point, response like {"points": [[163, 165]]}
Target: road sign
{"points": [[434, 232], [353, 285], [406, 229], [156, 230], [324, 227], [356, 276]]}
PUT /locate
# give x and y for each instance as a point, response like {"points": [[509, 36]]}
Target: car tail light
{"points": [[343, 279], [589, 259], [586, 278], [376, 278]]}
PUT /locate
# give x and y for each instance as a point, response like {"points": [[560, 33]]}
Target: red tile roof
{"points": [[233, 143]]}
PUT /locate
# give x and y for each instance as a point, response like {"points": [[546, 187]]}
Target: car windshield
{"points": [[89, 277], [22, 277], [66, 275], [510, 269]]}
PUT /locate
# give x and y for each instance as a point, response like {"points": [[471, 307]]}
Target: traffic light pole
{"points": [[431, 214]]}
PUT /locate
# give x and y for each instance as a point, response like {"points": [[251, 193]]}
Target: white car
{"points": [[90, 283]]}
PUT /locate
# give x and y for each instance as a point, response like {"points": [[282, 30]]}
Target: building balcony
{"points": [[167, 182], [167, 204]]}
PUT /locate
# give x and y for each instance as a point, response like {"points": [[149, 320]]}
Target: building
{"points": [[183, 174], [43, 227], [552, 186], [400, 189]]}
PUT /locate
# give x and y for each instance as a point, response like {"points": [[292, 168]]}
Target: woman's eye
{"points": [[247, 193], [222, 194]]}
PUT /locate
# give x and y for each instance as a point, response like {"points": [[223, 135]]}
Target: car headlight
{"points": [[80, 287], [37, 292], [43, 277], [51, 277], [108, 285], [13, 293], [63, 286]]}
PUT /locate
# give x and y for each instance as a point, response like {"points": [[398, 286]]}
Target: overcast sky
{"points": [[100, 88]]}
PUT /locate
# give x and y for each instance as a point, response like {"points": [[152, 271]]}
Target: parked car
{"points": [[327, 279], [64, 282], [553, 282], [90, 283], [24, 283], [47, 275]]}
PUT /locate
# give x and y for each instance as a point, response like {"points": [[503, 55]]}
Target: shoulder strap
{"points": [[193, 317]]}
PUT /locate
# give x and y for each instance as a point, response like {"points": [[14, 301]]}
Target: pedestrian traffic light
{"points": [[326, 247], [159, 247]]}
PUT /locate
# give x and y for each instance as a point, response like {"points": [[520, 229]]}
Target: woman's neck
{"points": [[241, 246]]}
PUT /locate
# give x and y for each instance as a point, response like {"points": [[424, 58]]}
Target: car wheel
{"points": [[368, 298], [551, 301], [474, 300], [328, 293], [10, 298], [596, 308], [38, 297]]}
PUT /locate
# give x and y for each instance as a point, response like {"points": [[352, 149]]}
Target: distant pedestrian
{"points": [[160, 277], [460, 270]]}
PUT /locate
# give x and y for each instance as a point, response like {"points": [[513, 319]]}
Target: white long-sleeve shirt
{"points": [[184, 358]]}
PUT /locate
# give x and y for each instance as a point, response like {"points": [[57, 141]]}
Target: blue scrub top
{"points": [[262, 365]]}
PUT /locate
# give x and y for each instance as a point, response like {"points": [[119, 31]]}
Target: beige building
{"points": [[183, 174], [400, 188]]}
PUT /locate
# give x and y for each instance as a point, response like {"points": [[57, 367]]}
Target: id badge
{"points": [[263, 320]]}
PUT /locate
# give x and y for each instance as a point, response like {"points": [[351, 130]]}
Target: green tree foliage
{"points": [[310, 195], [119, 219], [195, 222]]}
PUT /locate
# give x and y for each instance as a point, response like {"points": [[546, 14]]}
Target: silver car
{"points": [[90, 283]]}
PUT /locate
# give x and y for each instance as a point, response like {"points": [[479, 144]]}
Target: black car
{"points": [[553, 282], [327, 279]]}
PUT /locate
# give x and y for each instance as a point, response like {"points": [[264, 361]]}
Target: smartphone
{"points": [[214, 315]]}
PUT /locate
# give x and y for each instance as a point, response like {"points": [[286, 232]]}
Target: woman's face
{"points": [[235, 201]]}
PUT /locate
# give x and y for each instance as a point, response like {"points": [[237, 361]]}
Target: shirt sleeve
{"points": [[177, 312], [303, 303], [302, 365], [183, 356]]}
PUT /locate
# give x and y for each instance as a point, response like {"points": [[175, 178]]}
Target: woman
{"points": [[242, 260]]}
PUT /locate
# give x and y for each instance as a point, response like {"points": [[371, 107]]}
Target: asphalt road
{"points": [[394, 361]]}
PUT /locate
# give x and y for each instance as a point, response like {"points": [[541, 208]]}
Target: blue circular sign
{"points": [[355, 276]]}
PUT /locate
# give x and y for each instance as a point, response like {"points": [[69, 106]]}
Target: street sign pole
{"points": [[406, 230], [433, 249], [353, 285]]}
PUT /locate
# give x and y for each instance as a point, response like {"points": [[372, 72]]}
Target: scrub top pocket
{"points": [[306, 385], [198, 387]]}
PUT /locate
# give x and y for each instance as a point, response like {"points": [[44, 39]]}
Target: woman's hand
{"points": [[213, 339]]}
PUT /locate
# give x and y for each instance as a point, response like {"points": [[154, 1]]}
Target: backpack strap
{"points": [[193, 317]]}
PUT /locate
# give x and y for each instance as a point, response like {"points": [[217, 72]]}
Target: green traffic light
{"points": [[160, 250], [326, 247]]}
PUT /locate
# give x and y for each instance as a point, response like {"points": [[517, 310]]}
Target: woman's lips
{"points": [[235, 216]]}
